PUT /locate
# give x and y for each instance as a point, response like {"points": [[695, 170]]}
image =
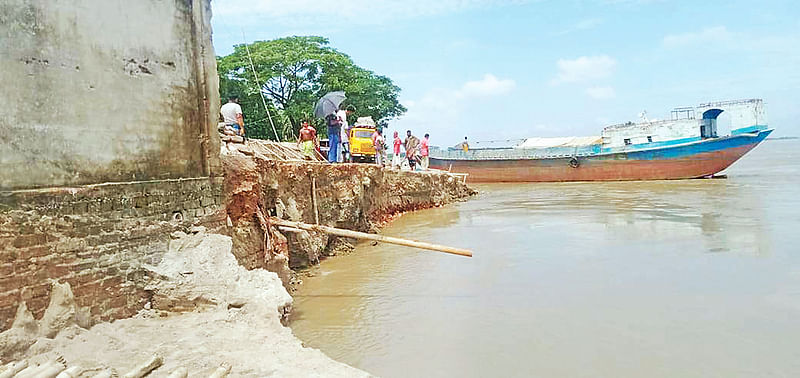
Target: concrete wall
{"points": [[106, 90]]}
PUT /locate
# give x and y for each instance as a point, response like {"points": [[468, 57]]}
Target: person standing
{"points": [[396, 143], [334, 130], [423, 152], [345, 131], [465, 145], [344, 150], [380, 148], [232, 115], [412, 149], [308, 140]]}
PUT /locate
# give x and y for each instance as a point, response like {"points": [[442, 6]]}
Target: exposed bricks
{"points": [[96, 238], [24, 241], [6, 269], [9, 296]]}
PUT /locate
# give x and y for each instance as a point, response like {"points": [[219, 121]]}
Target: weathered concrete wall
{"points": [[97, 238], [106, 90]]}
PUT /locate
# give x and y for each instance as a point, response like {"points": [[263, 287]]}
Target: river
{"points": [[690, 278]]}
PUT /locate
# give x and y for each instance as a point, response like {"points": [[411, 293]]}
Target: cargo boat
{"points": [[695, 142]]}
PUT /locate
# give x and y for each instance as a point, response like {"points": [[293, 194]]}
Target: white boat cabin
{"points": [[710, 120]]}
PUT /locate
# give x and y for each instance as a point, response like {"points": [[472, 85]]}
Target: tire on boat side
{"points": [[574, 163]]}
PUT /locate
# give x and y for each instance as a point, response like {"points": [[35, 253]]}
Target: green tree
{"points": [[293, 73]]}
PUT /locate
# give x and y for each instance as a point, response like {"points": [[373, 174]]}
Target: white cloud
{"points": [[601, 93], [584, 69], [490, 85], [711, 35], [350, 11]]}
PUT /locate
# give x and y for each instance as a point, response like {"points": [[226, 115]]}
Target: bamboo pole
{"points": [[314, 199], [379, 238]]}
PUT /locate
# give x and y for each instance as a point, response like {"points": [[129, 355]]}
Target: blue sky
{"points": [[492, 69]]}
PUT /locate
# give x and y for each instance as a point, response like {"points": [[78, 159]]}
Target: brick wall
{"points": [[96, 237]]}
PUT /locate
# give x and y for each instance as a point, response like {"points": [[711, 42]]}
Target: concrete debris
{"points": [[61, 312], [180, 372], [24, 320], [71, 372], [140, 371], [22, 334], [107, 373], [221, 371], [13, 369], [220, 320], [49, 369]]}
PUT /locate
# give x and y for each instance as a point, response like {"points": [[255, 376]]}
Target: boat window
{"points": [[649, 139], [627, 141]]}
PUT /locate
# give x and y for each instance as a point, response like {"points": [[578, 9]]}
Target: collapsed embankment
{"points": [[200, 300], [358, 197], [207, 311]]}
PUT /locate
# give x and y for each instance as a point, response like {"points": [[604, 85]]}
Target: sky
{"points": [[501, 69]]}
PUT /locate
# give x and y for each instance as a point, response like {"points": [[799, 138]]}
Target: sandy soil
{"points": [[206, 310]]}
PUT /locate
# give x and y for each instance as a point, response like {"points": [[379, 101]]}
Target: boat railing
{"points": [[717, 104], [517, 153], [657, 122]]}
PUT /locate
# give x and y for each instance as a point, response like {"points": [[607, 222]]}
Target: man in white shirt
{"points": [[342, 114], [232, 115]]}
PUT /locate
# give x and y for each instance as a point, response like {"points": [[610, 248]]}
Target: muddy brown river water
{"points": [[690, 278]]}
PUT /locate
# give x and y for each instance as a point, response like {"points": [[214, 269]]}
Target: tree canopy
{"points": [[293, 73]]}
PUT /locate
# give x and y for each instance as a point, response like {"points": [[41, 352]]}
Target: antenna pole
{"points": [[260, 92]]}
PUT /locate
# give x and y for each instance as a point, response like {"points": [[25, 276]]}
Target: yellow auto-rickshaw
{"points": [[360, 137]]}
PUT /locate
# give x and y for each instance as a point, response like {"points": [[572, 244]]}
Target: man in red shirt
{"points": [[396, 159], [423, 151]]}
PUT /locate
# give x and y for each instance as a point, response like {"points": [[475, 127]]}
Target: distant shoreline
{"points": [[783, 138]]}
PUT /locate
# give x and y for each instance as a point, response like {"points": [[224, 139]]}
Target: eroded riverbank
{"points": [[359, 197], [196, 299]]}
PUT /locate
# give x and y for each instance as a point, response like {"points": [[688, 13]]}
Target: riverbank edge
{"points": [[253, 190], [358, 197]]}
